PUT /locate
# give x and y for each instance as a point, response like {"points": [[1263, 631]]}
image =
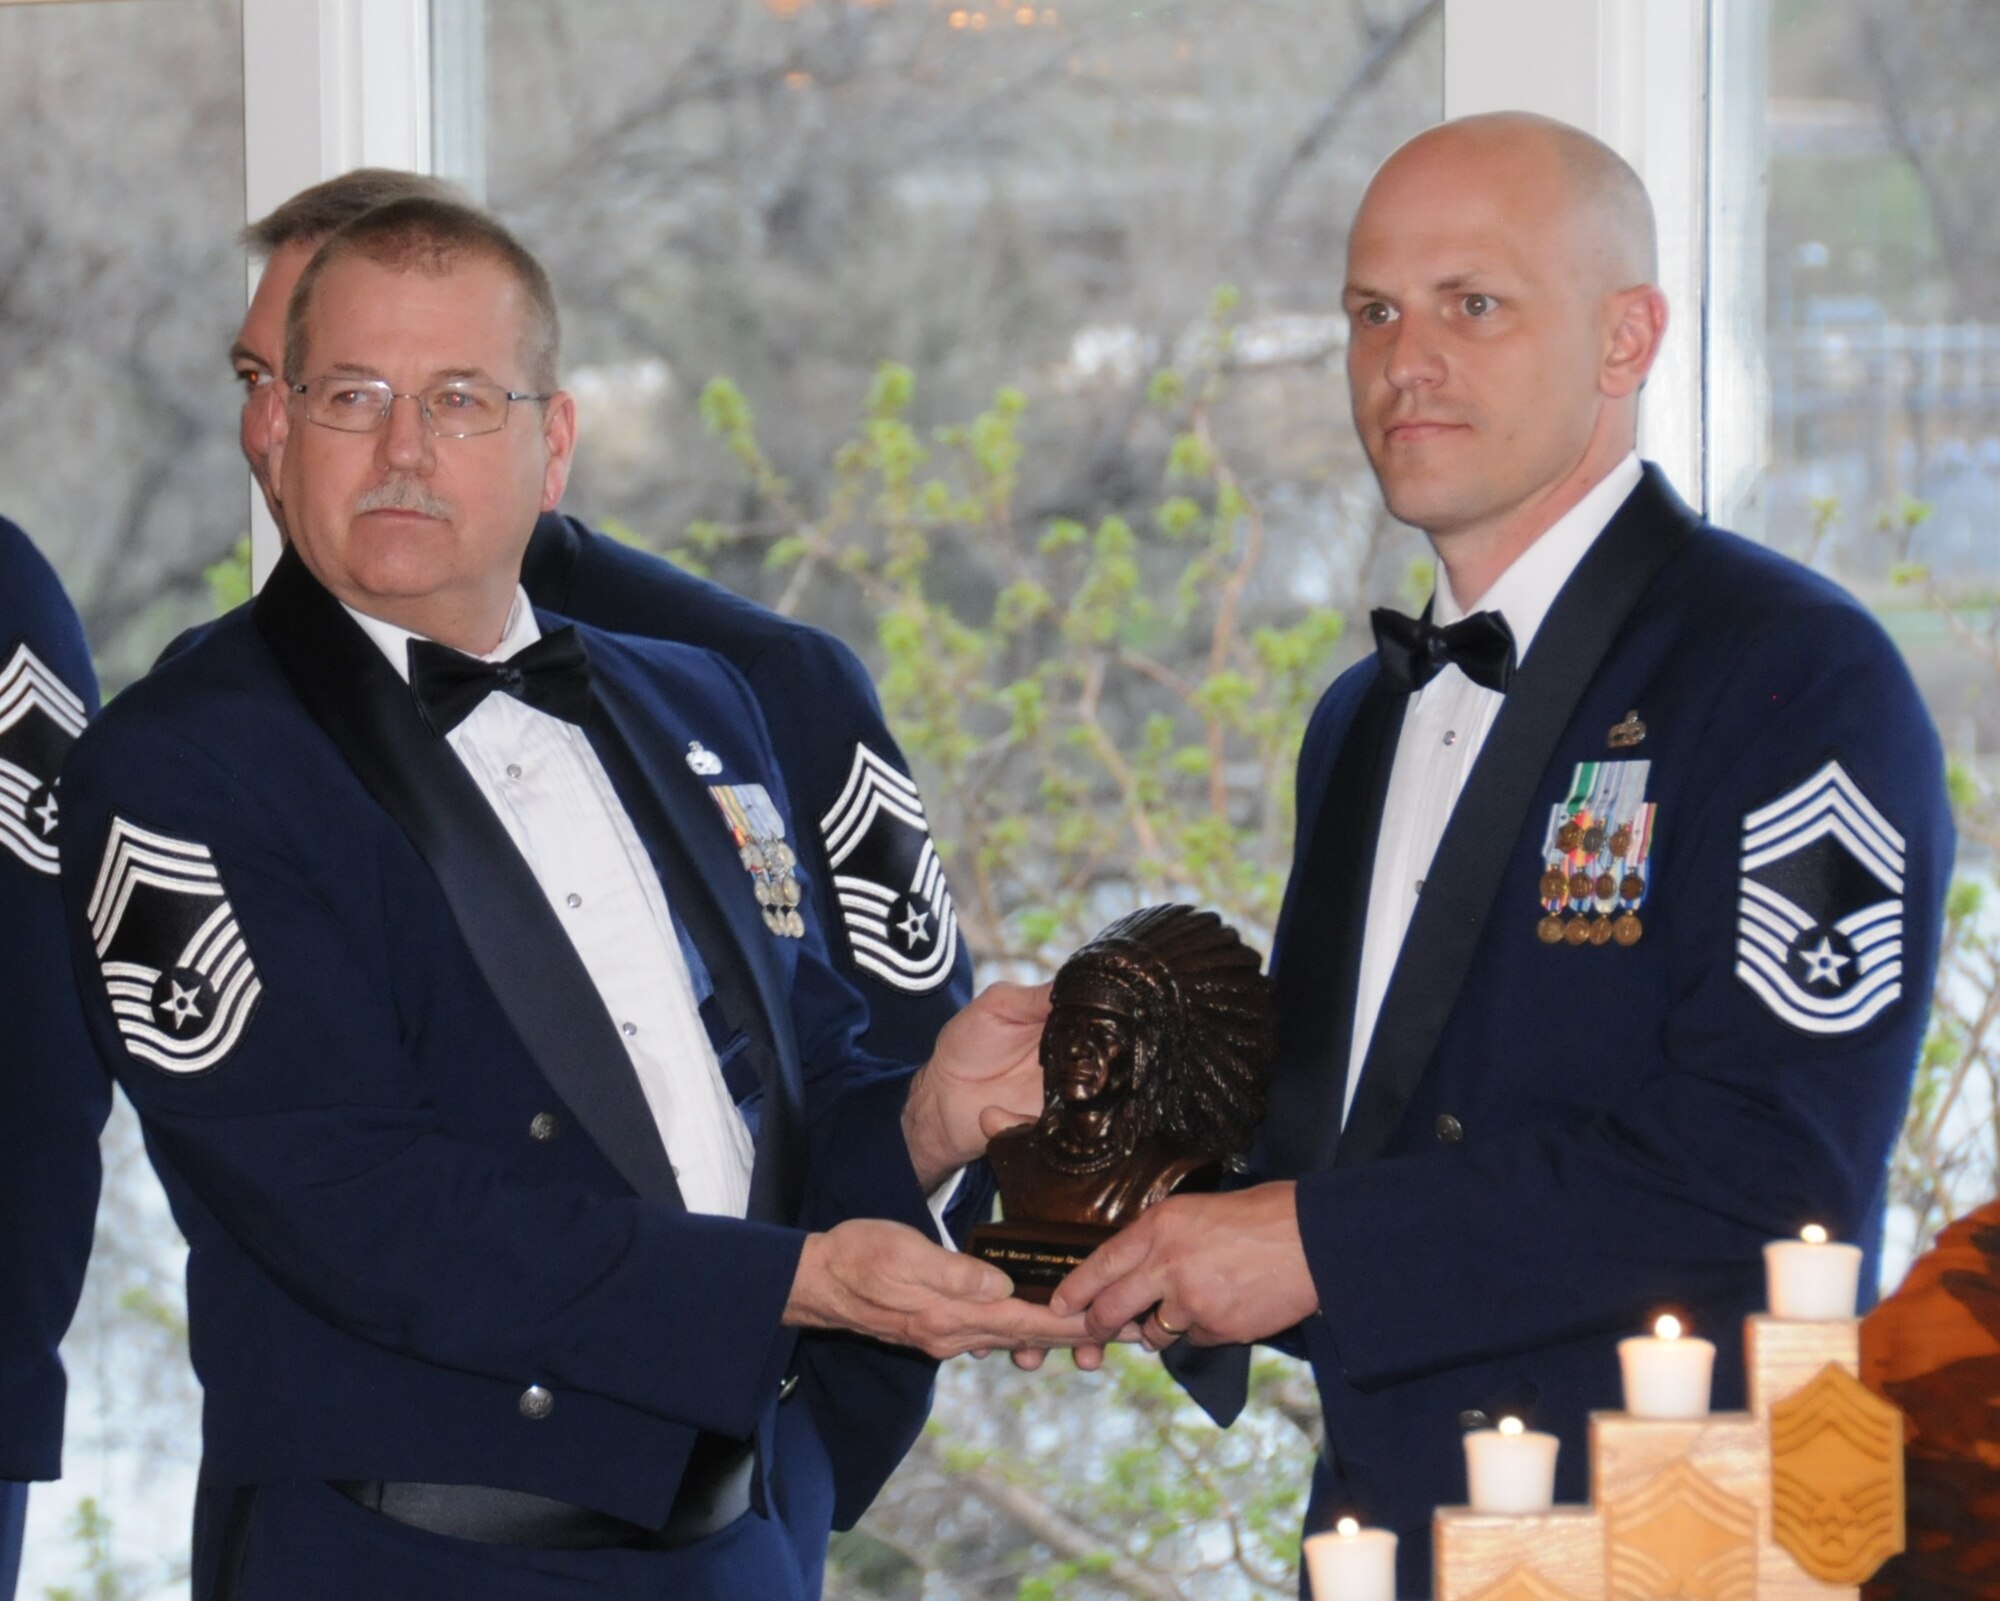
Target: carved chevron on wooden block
{"points": [[1524, 1584], [1837, 1478], [1474, 1553], [1680, 1539]]}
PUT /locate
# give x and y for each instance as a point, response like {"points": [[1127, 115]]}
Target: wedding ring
{"points": [[1166, 1328]]}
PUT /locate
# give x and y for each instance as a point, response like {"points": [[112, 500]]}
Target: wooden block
{"points": [[1545, 1556], [1726, 1448], [1782, 1356], [1837, 1478], [1680, 1536], [1731, 1450]]}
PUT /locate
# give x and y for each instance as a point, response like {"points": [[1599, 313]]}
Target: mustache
{"points": [[403, 494]]}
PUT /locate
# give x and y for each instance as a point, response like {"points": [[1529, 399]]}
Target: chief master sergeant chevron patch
{"points": [[894, 902], [40, 717], [1819, 928], [175, 963]]}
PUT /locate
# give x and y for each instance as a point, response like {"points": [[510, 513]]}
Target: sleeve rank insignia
{"points": [[176, 966], [1819, 929], [894, 902], [773, 866], [40, 718], [1594, 856]]}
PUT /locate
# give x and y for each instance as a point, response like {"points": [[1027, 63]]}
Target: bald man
{"points": [[1616, 898]]}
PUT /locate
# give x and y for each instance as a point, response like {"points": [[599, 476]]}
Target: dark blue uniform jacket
{"points": [[387, 1248], [57, 1095], [1551, 1143], [850, 786]]}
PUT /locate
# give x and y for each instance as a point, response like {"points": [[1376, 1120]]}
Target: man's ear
{"points": [[559, 436], [1638, 318]]}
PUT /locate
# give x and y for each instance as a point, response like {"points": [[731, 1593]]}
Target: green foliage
{"points": [[1094, 724], [143, 1303], [1948, 1156], [228, 580], [102, 1577], [1078, 733]]}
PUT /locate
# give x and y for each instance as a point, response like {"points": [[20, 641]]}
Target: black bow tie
{"points": [[1415, 650], [552, 675]]}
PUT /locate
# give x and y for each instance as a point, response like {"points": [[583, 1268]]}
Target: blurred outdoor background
{"points": [[1004, 341]]}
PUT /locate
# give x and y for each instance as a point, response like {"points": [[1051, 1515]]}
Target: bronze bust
{"points": [[1154, 1058]]}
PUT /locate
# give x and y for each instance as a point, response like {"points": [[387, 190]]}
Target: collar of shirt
{"points": [[521, 631], [1524, 593]]}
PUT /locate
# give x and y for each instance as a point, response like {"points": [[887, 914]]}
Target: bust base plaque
{"points": [[1036, 1256]]}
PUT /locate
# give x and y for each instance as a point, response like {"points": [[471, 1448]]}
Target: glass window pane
{"points": [[1882, 346], [121, 157], [788, 193]]}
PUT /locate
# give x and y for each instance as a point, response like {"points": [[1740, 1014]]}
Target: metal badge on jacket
{"points": [[40, 717], [759, 832], [1595, 855]]}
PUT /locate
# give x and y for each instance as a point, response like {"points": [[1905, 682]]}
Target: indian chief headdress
{"points": [[1204, 1030]]}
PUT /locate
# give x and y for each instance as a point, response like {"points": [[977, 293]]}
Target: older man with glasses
{"points": [[890, 922], [544, 1215]]}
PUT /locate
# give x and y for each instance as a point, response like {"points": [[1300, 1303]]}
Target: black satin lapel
{"points": [[1486, 823], [528, 962], [1320, 965], [711, 894]]}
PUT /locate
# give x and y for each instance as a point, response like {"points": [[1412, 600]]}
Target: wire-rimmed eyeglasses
{"points": [[460, 408]]}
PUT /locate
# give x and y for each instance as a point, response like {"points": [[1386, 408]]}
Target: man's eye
{"points": [[1479, 305], [1375, 314], [453, 400], [252, 379]]}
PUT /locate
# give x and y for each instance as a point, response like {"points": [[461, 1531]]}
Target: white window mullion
{"points": [[329, 85], [1635, 74]]}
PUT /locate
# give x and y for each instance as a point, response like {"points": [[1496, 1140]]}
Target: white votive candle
{"points": [[1352, 1563], [1811, 1279], [1511, 1468], [1666, 1373]]}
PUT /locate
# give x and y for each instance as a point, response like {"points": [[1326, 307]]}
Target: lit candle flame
{"points": [[1668, 1327], [1813, 1234], [1347, 1528], [1512, 1426]]}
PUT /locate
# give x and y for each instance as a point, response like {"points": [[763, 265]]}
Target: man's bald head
{"points": [[1581, 179]]}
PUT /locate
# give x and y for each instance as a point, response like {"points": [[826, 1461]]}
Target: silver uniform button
{"points": [[1472, 1418], [536, 1403], [629, 1029], [1449, 1129], [544, 1126], [513, 769], [573, 900]]}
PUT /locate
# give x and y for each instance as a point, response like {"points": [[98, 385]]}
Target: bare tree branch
{"points": [[1385, 45]]}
